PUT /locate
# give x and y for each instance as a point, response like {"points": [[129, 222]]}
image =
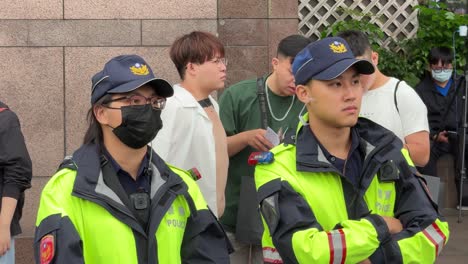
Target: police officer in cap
{"points": [[342, 189], [116, 201]]}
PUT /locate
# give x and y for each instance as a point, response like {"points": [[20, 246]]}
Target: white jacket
{"points": [[186, 140]]}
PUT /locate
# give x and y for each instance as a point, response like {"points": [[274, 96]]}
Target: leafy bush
{"points": [[437, 27], [407, 59]]}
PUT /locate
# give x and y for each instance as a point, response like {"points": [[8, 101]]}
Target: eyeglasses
{"points": [[136, 99], [439, 70], [218, 61]]}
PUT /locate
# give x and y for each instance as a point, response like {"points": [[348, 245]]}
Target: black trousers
{"points": [[438, 149]]}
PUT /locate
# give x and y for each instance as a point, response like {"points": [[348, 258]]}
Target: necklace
{"points": [[269, 106]]}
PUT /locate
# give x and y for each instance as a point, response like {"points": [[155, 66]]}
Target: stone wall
{"points": [[49, 50]]}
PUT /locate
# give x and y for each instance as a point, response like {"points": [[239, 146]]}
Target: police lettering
{"points": [[175, 223]]}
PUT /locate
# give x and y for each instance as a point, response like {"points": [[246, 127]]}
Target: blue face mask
{"points": [[442, 76]]}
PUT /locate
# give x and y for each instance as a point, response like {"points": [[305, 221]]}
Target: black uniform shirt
{"points": [[142, 182], [353, 163]]}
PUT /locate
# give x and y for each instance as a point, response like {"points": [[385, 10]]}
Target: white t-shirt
{"points": [[378, 105]]}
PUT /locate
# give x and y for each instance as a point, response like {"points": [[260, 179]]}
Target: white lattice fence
{"points": [[397, 18]]}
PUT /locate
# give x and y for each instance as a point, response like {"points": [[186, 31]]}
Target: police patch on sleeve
{"points": [[47, 249]]}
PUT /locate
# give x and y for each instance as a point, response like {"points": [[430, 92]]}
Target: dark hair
{"points": [[195, 47], [93, 134], [443, 54], [357, 40], [291, 45]]}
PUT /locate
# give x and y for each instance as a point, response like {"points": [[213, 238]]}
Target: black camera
{"points": [[140, 200]]}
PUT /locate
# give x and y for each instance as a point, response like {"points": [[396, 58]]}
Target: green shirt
{"points": [[239, 112]]}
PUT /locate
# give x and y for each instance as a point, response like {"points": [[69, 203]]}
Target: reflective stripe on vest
{"points": [[337, 244], [271, 255], [436, 236]]}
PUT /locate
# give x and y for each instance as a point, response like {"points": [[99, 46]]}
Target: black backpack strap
{"points": [[262, 101], [394, 96]]}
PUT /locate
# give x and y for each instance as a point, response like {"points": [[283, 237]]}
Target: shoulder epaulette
{"points": [[289, 138], [67, 163], [289, 141]]}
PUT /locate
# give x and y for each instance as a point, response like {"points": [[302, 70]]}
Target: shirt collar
{"points": [[354, 145], [187, 98], [445, 89], [365, 135], [118, 169]]}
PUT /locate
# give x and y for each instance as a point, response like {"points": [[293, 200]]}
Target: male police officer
{"points": [[341, 190], [247, 109]]}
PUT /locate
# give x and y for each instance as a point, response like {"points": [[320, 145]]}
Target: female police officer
{"points": [[116, 201]]}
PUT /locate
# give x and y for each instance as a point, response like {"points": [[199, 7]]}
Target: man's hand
{"points": [[4, 238], [442, 137], [256, 139], [394, 225], [366, 261], [6, 214]]}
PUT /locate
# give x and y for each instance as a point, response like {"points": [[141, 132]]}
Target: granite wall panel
{"points": [[243, 9], [165, 32], [142, 9], [31, 9], [32, 86], [243, 32], [246, 63]]}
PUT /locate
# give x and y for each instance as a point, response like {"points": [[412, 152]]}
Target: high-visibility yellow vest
{"points": [[331, 236]]}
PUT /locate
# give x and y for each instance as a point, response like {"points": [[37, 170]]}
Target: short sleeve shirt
{"points": [[378, 105]]}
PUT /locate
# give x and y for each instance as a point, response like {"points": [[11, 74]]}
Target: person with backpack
{"points": [[390, 102]]}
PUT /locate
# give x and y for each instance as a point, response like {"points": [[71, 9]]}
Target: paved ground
{"points": [[456, 250]]}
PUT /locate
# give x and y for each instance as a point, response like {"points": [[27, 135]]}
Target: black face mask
{"points": [[140, 125]]}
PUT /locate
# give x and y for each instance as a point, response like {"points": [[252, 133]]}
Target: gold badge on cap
{"points": [[338, 47], [139, 69]]}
